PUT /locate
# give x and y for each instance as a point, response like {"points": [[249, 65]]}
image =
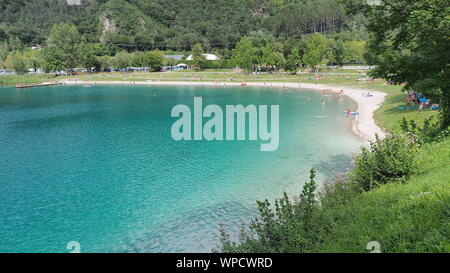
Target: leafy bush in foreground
{"points": [[429, 132], [388, 160], [290, 227]]}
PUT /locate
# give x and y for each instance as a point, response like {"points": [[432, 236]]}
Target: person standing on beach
{"points": [[348, 112]]}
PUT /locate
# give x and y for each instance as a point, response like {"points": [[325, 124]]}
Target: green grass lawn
{"points": [[12, 80], [411, 217]]}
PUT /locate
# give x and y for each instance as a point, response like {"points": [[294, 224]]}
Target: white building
{"points": [[208, 57]]}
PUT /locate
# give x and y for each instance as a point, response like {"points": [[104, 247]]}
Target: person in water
{"points": [[348, 112]]}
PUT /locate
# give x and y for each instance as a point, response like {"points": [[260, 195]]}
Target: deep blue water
{"points": [[98, 166]]}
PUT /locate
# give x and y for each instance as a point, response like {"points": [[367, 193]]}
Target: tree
{"points": [[33, 59], [88, 59], [63, 51], [53, 59], [315, 50], [355, 51], [197, 56], [340, 52], [122, 59], [271, 58], [292, 61], [244, 54], [104, 61], [151, 59], [17, 62], [408, 43]]}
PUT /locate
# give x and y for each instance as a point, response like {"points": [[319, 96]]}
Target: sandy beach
{"points": [[364, 124]]}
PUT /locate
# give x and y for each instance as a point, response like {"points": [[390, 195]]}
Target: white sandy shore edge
{"points": [[364, 125]]}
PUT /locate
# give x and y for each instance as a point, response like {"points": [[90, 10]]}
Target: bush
{"points": [[430, 131], [387, 160], [338, 191], [290, 226]]}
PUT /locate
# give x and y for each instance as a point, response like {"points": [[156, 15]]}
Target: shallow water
{"points": [[98, 166]]}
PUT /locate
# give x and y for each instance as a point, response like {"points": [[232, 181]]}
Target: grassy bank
{"points": [[410, 217], [12, 80]]}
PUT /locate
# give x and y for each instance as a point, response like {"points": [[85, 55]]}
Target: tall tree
{"points": [[151, 59], [340, 52], [63, 50], [292, 61], [17, 62], [122, 59], [315, 50], [409, 43], [244, 55], [197, 56]]}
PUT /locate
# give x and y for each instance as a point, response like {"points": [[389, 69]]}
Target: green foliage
{"points": [[151, 59], [408, 43], [88, 59], [355, 51], [271, 58], [292, 61], [19, 63], [104, 61], [315, 50], [63, 51], [34, 59], [290, 226], [340, 52], [125, 25], [430, 130], [198, 59], [53, 59], [244, 55], [388, 160], [121, 60]]}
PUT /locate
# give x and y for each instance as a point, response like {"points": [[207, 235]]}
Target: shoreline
{"points": [[363, 125]]}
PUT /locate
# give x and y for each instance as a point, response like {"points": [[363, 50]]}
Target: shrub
{"points": [[290, 226], [338, 191], [387, 160], [430, 131]]}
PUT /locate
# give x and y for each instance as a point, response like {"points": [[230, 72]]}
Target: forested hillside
{"points": [[175, 24]]}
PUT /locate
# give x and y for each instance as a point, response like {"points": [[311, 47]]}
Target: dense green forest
{"points": [[176, 24]]}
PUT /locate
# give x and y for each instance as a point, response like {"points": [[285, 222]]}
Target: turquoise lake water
{"points": [[98, 166]]}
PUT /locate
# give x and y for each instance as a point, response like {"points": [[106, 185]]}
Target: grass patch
{"points": [[411, 217], [11, 80]]}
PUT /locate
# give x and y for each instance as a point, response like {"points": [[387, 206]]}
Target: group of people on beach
{"points": [[414, 99]]}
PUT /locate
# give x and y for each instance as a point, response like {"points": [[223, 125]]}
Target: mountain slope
{"points": [[175, 24]]}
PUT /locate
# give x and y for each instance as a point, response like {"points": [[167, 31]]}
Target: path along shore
{"points": [[364, 124]]}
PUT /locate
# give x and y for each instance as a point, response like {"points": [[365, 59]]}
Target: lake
{"points": [[97, 165]]}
